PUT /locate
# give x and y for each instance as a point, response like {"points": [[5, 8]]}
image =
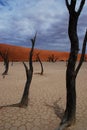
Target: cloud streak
{"points": [[19, 20]]}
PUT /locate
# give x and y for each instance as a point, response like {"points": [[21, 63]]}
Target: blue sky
{"points": [[20, 19]]}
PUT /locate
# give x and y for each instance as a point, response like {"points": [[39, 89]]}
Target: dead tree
{"points": [[6, 61], [29, 74], [72, 71], [52, 58], [38, 59]]}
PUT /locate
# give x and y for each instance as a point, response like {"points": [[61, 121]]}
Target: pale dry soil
{"points": [[45, 90]]}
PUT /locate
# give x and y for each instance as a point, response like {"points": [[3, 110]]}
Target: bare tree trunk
{"points": [[6, 62], [70, 111], [24, 100]]}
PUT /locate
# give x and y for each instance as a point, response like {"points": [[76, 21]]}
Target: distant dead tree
{"points": [[52, 58], [38, 59], [5, 58], [72, 71]]}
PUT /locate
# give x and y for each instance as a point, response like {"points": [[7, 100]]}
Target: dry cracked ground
{"points": [[47, 94]]}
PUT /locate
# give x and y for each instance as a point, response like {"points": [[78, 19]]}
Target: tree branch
{"points": [[40, 64], [80, 7], [67, 5], [82, 55], [26, 68], [31, 52]]}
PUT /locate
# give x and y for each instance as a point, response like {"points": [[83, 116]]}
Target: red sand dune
{"points": [[16, 53]]}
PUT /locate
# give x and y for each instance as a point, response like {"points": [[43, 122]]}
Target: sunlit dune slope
{"points": [[17, 53]]}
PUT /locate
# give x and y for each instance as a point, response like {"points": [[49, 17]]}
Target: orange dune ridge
{"points": [[17, 53]]}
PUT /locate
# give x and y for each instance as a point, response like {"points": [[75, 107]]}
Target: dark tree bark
{"points": [[42, 70], [29, 74], [71, 72], [6, 62]]}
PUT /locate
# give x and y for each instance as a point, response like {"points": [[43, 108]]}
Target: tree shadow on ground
{"points": [[58, 110], [14, 105]]}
